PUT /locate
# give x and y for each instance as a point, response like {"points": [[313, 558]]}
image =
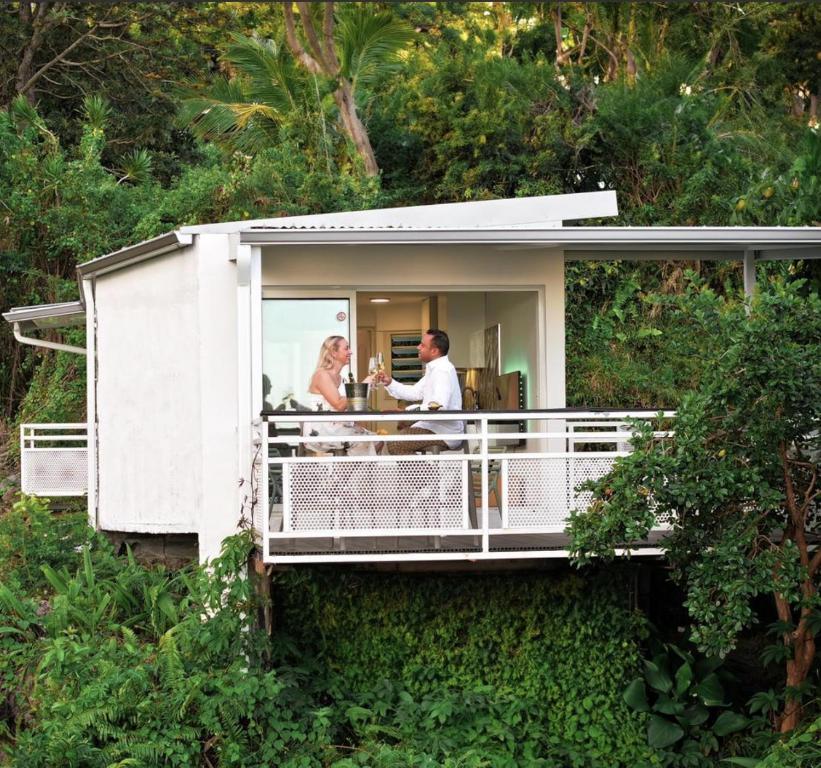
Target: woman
{"points": [[327, 394]]}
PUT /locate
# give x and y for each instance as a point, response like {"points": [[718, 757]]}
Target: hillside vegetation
{"points": [[122, 121]]}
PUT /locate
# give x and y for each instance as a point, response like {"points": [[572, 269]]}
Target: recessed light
{"points": [[380, 301]]}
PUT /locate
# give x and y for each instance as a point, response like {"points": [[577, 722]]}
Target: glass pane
{"points": [[292, 332]]}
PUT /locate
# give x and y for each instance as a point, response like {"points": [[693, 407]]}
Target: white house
{"points": [[195, 341]]}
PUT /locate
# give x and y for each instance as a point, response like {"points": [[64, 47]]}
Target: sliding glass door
{"points": [[293, 330]]}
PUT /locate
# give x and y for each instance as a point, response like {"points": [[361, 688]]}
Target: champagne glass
{"points": [[372, 371], [380, 363]]}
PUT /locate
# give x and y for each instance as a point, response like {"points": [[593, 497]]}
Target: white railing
{"points": [[54, 459], [507, 495]]}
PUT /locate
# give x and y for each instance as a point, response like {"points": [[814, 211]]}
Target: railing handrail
{"points": [[417, 415], [66, 425], [582, 437]]}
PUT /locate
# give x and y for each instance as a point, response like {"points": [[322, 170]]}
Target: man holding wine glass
{"points": [[438, 388]]}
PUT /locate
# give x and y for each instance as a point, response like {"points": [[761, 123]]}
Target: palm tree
{"points": [[244, 112], [354, 49]]}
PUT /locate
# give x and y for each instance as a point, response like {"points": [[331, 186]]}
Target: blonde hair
{"points": [[326, 352]]}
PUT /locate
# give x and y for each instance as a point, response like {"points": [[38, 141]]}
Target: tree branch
{"points": [[48, 65], [299, 52], [330, 43], [311, 36]]}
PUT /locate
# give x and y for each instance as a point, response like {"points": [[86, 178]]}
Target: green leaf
{"points": [[684, 676], [356, 714], [695, 714], [55, 579], [662, 733], [729, 722], [710, 691], [635, 696], [668, 706], [658, 679], [12, 631], [744, 762]]}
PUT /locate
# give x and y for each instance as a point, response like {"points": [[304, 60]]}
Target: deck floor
{"points": [[468, 542]]}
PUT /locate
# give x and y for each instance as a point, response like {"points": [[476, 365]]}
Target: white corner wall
{"points": [[166, 394]]}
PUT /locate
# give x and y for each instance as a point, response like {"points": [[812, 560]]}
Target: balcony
{"points": [[54, 459], [507, 495]]}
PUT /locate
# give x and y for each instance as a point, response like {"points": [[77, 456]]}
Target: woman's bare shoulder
{"points": [[321, 376]]}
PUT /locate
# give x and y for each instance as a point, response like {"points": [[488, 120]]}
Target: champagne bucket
{"points": [[357, 395]]}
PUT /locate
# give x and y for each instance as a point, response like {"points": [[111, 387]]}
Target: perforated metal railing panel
{"points": [[541, 493], [367, 495], [55, 471]]}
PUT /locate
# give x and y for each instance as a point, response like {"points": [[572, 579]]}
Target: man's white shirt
{"points": [[440, 384]]}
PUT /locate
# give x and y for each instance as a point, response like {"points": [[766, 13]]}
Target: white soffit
{"points": [[543, 212]]}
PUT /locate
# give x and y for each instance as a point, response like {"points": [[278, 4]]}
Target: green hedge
{"points": [[551, 653]]}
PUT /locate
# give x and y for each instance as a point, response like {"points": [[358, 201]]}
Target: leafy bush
{"points": [[31, 536], [684, 689], [536, 664], [147, 667]]}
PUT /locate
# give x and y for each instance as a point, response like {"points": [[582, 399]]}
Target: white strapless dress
{"points": [[335, 429]]}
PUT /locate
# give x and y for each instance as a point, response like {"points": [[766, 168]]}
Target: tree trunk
{"points": [[326, 62], [803, 648], [800, 640], [343, 96]]}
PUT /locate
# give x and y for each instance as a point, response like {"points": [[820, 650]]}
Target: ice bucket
{"points": [[357, 395]]}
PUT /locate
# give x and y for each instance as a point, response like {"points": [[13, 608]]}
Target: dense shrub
{"points": [[533, 666]]}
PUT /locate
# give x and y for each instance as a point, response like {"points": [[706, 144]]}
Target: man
{"points": [[438, 388]]}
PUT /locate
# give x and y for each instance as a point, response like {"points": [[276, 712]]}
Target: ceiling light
{"points": [[380, 301]]}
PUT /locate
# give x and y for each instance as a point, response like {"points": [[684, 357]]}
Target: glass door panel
{"points": [[292, 333]]}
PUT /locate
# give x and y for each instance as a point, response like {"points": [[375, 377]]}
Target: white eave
{"points": [[133, 254], [45, 316], [579, 243]]}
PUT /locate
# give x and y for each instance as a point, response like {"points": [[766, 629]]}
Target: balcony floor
{"points": [[450, 546]]}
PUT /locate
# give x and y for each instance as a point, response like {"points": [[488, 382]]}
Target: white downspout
{"points": [[32, 342], [87, 285]]}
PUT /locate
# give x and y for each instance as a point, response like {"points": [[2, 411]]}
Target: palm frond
{"points": [[225, 115], [24, 116], [97, 111], [136, 167], [273, 77], [370, 43]]}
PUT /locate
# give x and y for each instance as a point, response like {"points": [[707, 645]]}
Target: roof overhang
{"points": [[579, 243], [148, 249], [537, 212], [46, 316]]}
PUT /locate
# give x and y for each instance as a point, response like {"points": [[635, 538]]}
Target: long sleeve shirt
{"points": [[440, 384]]}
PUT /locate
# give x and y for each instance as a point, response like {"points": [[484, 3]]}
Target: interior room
{"points": [[493, 342]]}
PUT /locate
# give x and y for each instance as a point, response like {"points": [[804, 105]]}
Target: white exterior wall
{"points": [[219, 512], [166, 395], [148, 396], [440, 268]]}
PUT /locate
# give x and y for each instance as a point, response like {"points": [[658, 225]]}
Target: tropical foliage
{"points": [[122, 121], [737, 481]]}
